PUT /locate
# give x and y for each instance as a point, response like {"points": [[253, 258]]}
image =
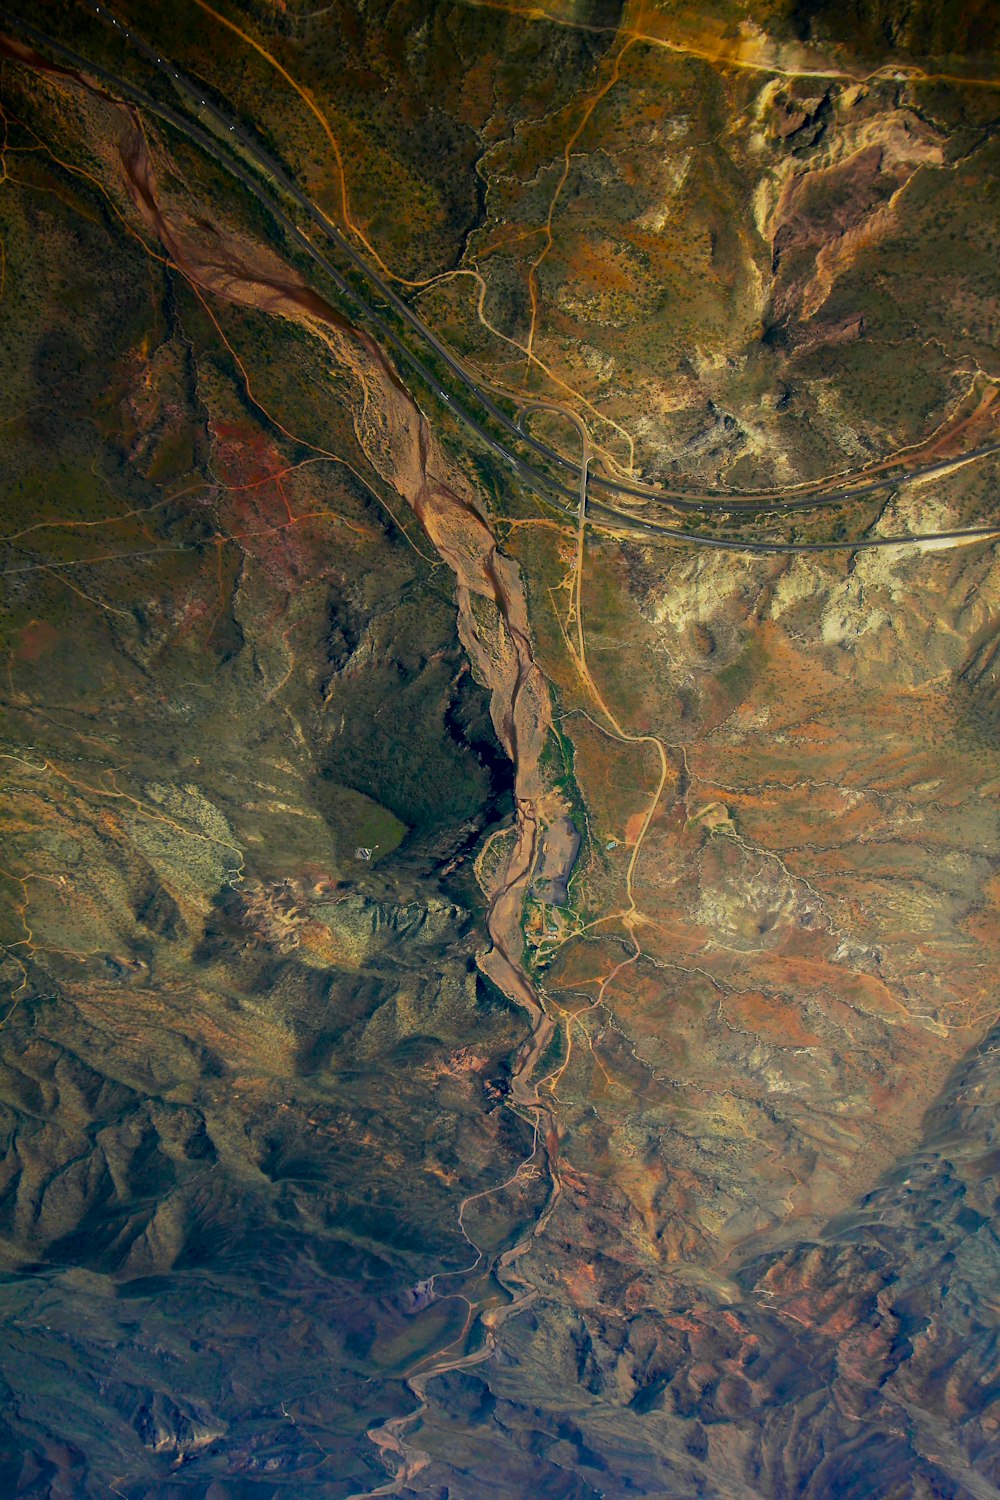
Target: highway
{"points": [[567, 497], [574, 498], [482, 391], [621, 521]]}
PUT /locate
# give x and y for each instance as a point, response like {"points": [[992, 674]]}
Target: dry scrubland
{"points": [[683, 1187]]}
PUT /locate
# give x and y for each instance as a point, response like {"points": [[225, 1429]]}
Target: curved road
{"points": [[682, 499], [756, 501]]}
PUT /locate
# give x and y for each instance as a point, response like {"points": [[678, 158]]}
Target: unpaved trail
{"points": [[492, 622], [397, 440]]}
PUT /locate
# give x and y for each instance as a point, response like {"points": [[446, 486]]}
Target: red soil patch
{"points": [[38, 638]]}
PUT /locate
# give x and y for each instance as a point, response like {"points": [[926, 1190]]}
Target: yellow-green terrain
{"points": [[499, 754]]}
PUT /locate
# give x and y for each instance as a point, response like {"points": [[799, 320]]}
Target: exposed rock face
{"points": [[500, 1006], [829, 210], [768, 1060]]}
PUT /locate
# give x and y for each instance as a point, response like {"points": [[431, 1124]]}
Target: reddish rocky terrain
{"points": [[501, 997]]}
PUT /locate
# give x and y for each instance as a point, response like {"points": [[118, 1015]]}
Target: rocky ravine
{"points": [[251, 1085], [493, 626]]}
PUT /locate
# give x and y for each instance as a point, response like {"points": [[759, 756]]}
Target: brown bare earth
{"points": [[501, 993]]}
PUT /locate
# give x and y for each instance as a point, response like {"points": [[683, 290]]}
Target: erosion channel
{"points": [[493, 626]]}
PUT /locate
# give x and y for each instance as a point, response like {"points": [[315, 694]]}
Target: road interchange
{"points": [[568, 498]]}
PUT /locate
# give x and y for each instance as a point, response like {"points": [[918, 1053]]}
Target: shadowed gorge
{"points": [[500, 783]]}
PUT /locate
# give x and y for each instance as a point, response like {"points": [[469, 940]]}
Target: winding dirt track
{"points": [[830, 491], [492, 622], [493, 626]]}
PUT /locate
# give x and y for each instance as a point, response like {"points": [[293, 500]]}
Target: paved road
{"points": [[209, 144], [235, 135], [770, 499], [759, 501], [616, 520], [638, 525]]}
